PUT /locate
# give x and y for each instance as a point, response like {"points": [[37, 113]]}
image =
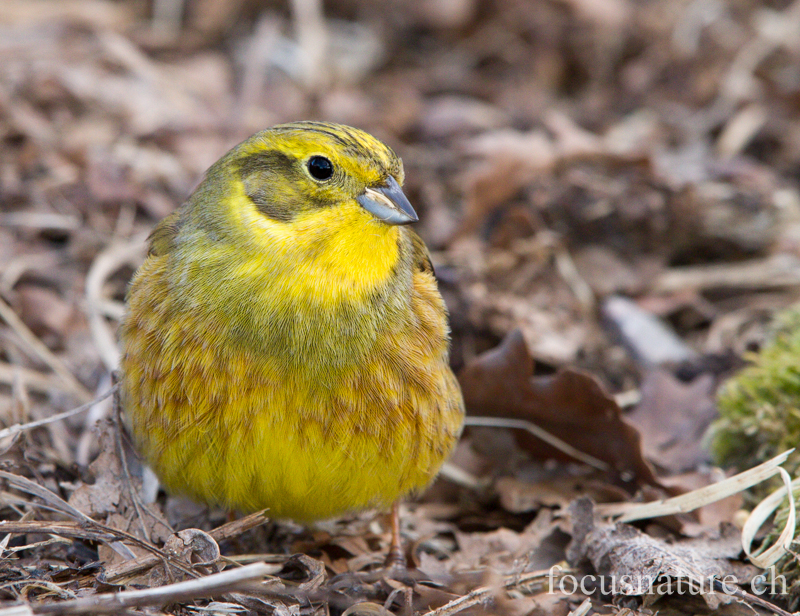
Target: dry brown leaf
{"points": [[672, 418], [539, 546], [570, 405]]}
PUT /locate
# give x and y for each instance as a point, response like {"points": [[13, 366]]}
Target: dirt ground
{"points": [[610, 193]]}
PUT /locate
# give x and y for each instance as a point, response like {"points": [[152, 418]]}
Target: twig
{"points": [[16, 428], [745, 596], [115, 573], [237, 527], [476, 597], [72, 530], [217, 583], [31, 546], [550, 439], [38, 348]]}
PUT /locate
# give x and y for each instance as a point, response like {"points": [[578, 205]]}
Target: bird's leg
{"points": [[396, 557], [394, 567]]}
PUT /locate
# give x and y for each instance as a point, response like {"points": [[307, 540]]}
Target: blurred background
{"points": [[616, 179]]}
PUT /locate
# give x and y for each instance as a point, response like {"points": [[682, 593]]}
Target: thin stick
{"points": [[16, 428], [745, 596], [476, 597], [207, 586], [71, 530], [115, 573], [521, 424]]}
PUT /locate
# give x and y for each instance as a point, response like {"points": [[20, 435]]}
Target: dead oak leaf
{"points": [[673, 417], [570, 405]]}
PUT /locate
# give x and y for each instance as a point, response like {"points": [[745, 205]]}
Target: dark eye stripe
{"points": [[257, 171]]}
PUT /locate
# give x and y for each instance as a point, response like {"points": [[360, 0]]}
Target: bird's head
{"points": [[313, 207], [297, 169], [300, 218]]}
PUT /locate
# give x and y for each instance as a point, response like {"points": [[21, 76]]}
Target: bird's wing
{"points": [[421, 258]]}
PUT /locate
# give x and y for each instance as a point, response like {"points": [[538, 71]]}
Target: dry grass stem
{"points": [[521, 424], [17, 428], [210, 585], [629, 512]]}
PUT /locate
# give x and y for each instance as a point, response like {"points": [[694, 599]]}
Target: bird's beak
{"points": [[388, 203]]}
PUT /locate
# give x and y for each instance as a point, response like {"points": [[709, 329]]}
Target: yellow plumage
{"points": [[285, 346]]}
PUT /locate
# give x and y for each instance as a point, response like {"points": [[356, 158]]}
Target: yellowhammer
{"points": [[285, 344]]}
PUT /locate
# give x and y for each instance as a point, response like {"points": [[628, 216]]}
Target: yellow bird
{"points": [[285, 344]]}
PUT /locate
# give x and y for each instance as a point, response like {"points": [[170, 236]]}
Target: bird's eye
{"points": [[320, 168]]}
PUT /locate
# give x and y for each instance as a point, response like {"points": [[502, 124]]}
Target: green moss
{"points": [[759, 408]]}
